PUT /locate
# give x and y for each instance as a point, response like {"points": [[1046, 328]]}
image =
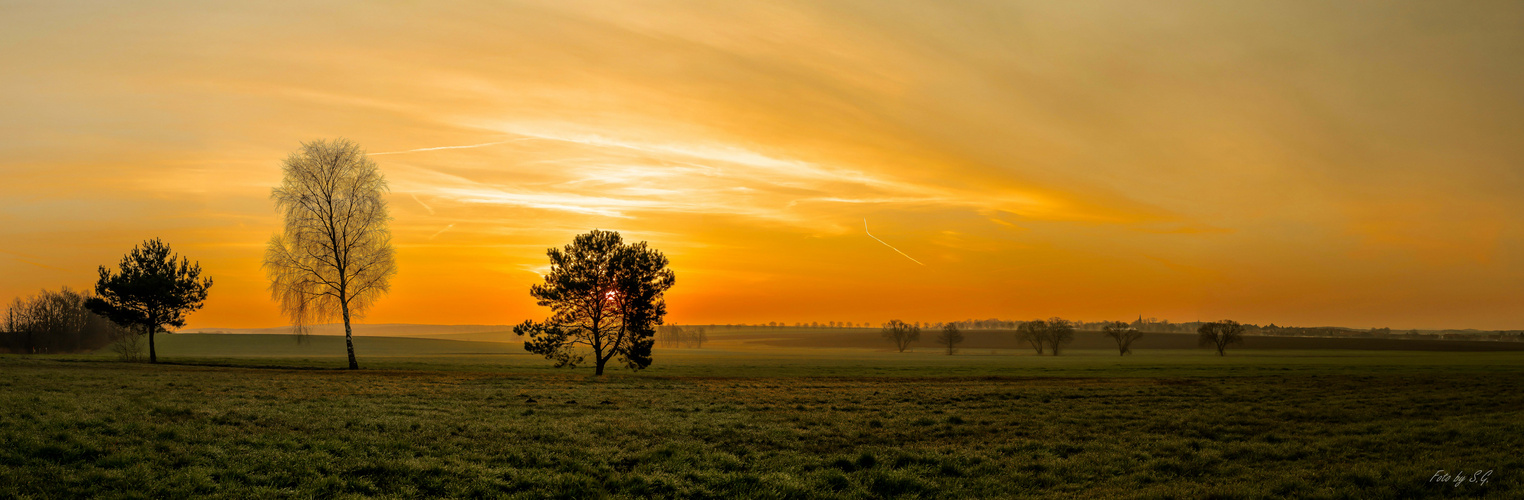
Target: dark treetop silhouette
{"points": [[901, 333], [334, 254], [604, 295], [949, 338], [1123, 333], [151, 290], [55, 322], [1033, 333], [1218, 334], [1059, 333]]}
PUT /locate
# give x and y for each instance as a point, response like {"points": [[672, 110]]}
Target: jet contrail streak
{"points": [[482, 145], [891, 247], [441, 231], [420, 202]]}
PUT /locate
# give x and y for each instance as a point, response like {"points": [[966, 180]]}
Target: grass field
{"points": [[450, 418]]}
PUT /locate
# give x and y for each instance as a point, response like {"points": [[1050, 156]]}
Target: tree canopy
{"points": [[1059, 333], [1219, 334], [333, 257], [949, 338], [604, 295], [55, 322], [901, 333], [152, 289], [1123, 333], [1033, 333]]}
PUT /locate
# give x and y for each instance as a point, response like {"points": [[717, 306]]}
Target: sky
{"points": [[1293, 162]]}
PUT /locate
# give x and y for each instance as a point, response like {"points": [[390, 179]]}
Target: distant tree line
{"points": [[55, 323], [679, 336], [1388, 333], [1050, 336]]}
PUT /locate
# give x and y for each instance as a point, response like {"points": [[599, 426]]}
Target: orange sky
{"points": [[1305, 163]]}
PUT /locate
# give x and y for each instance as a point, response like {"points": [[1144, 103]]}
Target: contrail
{"points": [[482, 145], [441, 231], [420, 202], [891, 247]]}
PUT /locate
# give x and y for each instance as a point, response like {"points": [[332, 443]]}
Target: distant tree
{"points": [[128, 345], [901, 333], [1034, 333], [1059, 333], [604, 295], [153, 289], [24, 321], [13, 325], [950, 337], [670, 335], [333, 256], [1219, 334], [678, 336], [1123, 333]]}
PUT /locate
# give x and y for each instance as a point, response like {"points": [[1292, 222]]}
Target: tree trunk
{"points": [[599, 361], [153, 355], [349, 339]]}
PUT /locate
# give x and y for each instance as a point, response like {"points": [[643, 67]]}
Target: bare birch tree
{"points": [[333, 258]]}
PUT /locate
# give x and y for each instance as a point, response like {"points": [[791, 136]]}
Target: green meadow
{"points": [[244, 416]]}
